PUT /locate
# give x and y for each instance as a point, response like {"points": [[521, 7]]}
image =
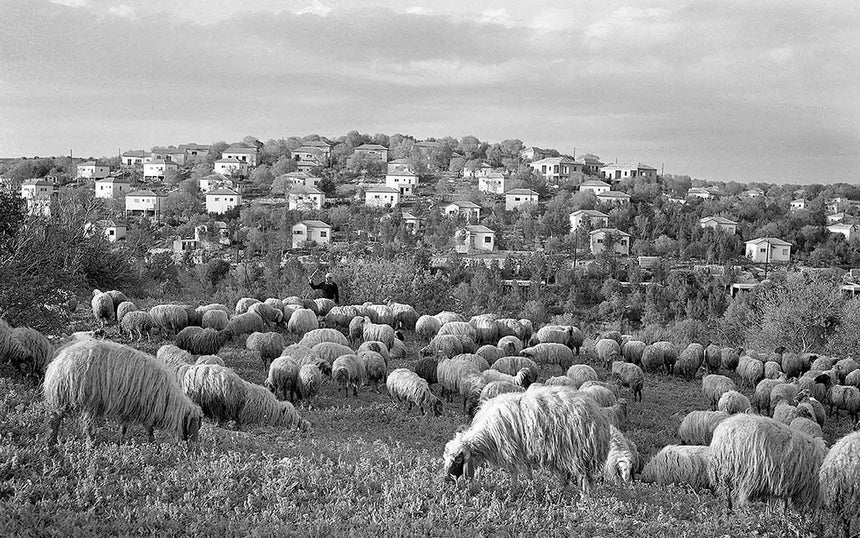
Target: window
{"points": [[543, 169], [555, 169], [785, 252], [298, 232], [488, 239], [763, 250], [323, 234]]}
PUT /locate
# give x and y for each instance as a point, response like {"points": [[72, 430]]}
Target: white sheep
{"points": [[512, 365], [244, 303], [171, 318], [714, 386], [309, 382], [283, 378], [698, 427], [302, 321], [374, 367], [679, 464], [608, 350], [733, 402], [404, 385], [316, 336], [622, 461], [103, 308], [580, 373], [348, 372], [838, 482], [452, 376], [629, 375], [550, 353]]}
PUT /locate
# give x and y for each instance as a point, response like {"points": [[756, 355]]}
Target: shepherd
{"points": [[328, 287]]}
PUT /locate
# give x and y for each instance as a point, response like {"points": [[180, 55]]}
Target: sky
{"points": [[721, 90]]}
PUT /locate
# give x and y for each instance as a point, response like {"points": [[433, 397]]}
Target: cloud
{"points": [[122, 10], [315, 8]]}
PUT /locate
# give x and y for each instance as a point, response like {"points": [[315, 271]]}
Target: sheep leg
{"points": [[88, 427], [122, 431], [150, 434], [54, 424]]}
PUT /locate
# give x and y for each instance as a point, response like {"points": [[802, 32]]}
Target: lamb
{"points": [[510, 345], [214, 319], [245, 323], [28, 350], [552, 428], [99, 378], [243, 304], [348, 372], [751, 370], [756, 458], [198, 341], [405, 386], [580, 373], [652, 358], [733, 402], [550, 354], [269, 345], [512, 365], [838, 479], [761, 395], [219, 391], [698, 427], [170, 318], [427, 326], [679, 464], [607, 351], [426, 369], [309, 382], [124, 308], [632, 351], [730, 358], [303, 321], [714, 386], [314, 337], [713, 358], [136, 324], [283, 378], [261, 407], [374, 367], [622, 460], [269, 313], [670, 355], [103, 308], [210, 359], [629, 375]]}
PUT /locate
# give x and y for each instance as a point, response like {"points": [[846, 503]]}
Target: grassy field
{"points": [[364, 469]]}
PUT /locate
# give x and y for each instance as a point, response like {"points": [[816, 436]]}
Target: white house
{"points": [[591, 164], [231, 167], [467, 209], [169, 154], [699, 192], [482, 170], [217, 181], [372, 152], [37, 193], [594, 185], [800, 203], [719, 223], [768, 250], [133, 157], [114, 230], [195, 152], [397, 166], [242, 154], [145, 202], [493, 183], [305, 198], [617, 172], [222, 200], [93, 170], [840, 217], [475, 238], [112, 187], [411, 222], [315, 231], [613, 197], [555, 169], [514, 198], [301, 178], [309, 157], [405, 182], [157, 169], [596, 218], [597, 241], [754, 192], [381, 195], [847, 230]]}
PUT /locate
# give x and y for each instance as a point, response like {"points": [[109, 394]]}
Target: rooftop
{"points": [[371, 147], [772, 240], [240, 150], [609, 231], [222, 192], [314, 224], [628, 166], [478, 229], [465, 203], [719, 220], [593, 213], [527, 192], [301, 189], [382, 188]]}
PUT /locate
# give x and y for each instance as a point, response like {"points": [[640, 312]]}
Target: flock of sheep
{"points": [[522, 418]]}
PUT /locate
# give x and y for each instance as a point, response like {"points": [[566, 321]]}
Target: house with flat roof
{"points": [[169, 154], [92, 170], [133, 157], [308, 158], [157, 169], [618, 172], [493, 183], [411, 222], [37, 194], [112, 187], [847, 230], [381, 195], [404, 181], [242, 154], [799, 204], [594, 185], [231, 166], [556, 169], [145, 203], [374, 152], [613, 197]]}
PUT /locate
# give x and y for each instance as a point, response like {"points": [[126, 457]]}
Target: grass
{"points": [[363, 469]]}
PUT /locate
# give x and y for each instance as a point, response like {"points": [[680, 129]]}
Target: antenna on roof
{"points": [[662, 169]]}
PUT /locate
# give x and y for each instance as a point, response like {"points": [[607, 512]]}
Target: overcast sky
{"points": [[725, 90]]}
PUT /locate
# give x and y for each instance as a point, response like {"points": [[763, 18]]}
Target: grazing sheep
{"points": [[613, 335], [604, 396], [713, 358], [679, 464], [460, 329], [243, 304], [170, 318], [844, 367], [453, 376], [269, 345], [398, 350], [730, 357], [124, 308], [479, 361], [652, 358], [580, 373], [314, 337], [176, 359], [375, 368], [486, 328], [622, 460], [283, 378], [103, 308], [356, 328], [821, 363], [28, 350], [117, 297], [838, 480], [426, 369], [550, 353], [632, 351], [494, 388], [514, 327], [405, 386], [447, 345], [510, 345], [199, 341], [380, 314], [375, 346], [218, 390], [761, 395], [194, 317], [561, 380], [329, 351], [512, 365], [99, 378], [689, 361], [853, 379], [714, 386], [214, 319], [377, 332], [733, 402], [305, 355], [807, 426], [629, 375], [756, 458], [811, 407], [607, 351], [552, 428], [490, 352], [784, 412], [405, 316], [750, 370], [845, 398], [269, 313], [213, 306], [309, 382], [670, 355], [302, 321], [616, 414], [210, 359], [794, 365], [246, 323], [427, 326], [783, 392], [348, 372], [261, 407], [772, 370], [446, 317], [337, 316], [698, 427], [136, 324]]}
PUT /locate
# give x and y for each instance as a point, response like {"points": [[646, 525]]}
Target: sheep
{"points": [[632, 351], [807, 426], [512, 365], [405, 386], [337, 316], [460, 329], [375, 368], [376, 346], [170, 318], [314, 337], [811, 407], [452, 376], [670, 355], [214, 319], [425, 367], [550, 353], [176, 359], [486, 329], [356, 328], [679, 464], [494, 388], [103, 308], [283, 378], [794, 365], [838, 479], [561, 380], [479, 361], [309, 382], [688, 362], [29, 350], [612, 335], [269, 313], [607, 351], [398, 350], [194, 317], [513, 327], [277, 304], [629, 375], [783, 392], [405, 315], [378, 332], [522, 378], [733, 402], [853, 379], [261, 407], [302, 321], [117, 297], [616, 414], [845, 367], [380, 314], [510, 345], [210, 359], [652, 358], [218, 390], [761, 394], [822, 363], [448, 345], [245, 323], [446, 317], [714, 386], [243, 304], [697, 427], [136, 324], [329, 351], [784, 412], [750, 370], [553, 428], [713, 358], [772, 370], [622, 460], [348, 372], [845, 398], [427, 326], [603, 396], [729, 358], [580, 373], [198, 341], [202, 309], [269, 345], [301, 354], [756, 458], [100, 378], [490, 352], [124, 308]]}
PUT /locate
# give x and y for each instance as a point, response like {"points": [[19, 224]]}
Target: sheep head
{"points": [[437, 408], [455, 458]]}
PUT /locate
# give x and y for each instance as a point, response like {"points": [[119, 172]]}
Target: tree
{"points": [[262, 176], [216, 270], [11, 216]]}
